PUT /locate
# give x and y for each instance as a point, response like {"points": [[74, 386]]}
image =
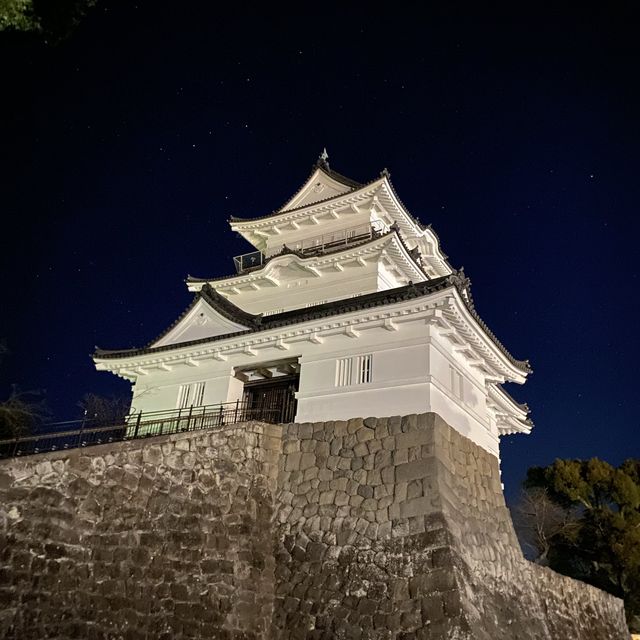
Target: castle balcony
{"points": [[316, 245], [249, 261]]}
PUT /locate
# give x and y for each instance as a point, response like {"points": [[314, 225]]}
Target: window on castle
{"points": [[364, 369], [356, 370], [343, 372], [456, 383], [198, 394], [190, 395]]}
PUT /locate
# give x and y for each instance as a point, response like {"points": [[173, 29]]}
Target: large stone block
{"points": [[413, 470]]}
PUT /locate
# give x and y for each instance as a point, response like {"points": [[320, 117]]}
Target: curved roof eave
{"points": [[463, 285], [288, 251], [296, 316], [312, 205], [521, 406], [418, 223]]}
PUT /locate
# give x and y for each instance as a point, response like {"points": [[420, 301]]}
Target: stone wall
{"points": [[387, 528], [397, 528], [162, 538]]}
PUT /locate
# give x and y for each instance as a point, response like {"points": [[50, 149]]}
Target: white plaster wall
{"points": [[158, 391], [390, 365], [410, 374], [469, 413], [388, 280], [364, 402], [356, 279], [465, 421], [154, 397], [235, 390], [307, 289], [473, 389], [218, 389], [399, 382]]}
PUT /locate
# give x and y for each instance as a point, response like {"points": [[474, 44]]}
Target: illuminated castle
{"points": [[347, 307]]}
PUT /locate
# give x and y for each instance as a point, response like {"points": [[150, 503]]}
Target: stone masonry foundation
{"points": [[163, 538], [382, 528]]}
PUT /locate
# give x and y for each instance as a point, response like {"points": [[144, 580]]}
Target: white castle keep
{"points": [[347, 307]]}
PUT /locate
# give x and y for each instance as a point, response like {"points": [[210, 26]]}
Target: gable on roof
{"points": [[321, 185], [201, 320]]}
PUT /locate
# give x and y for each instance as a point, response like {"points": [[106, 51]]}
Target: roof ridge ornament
{"points": [[462, 282], [459, 278], [385, 173], [323, 160]]}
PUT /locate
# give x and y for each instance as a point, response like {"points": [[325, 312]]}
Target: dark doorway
{"points": [[272, 400]]}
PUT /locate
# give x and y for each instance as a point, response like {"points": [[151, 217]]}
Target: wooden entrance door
{"points": [[272, 400]]}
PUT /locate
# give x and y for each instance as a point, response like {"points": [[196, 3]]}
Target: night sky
{"points": [[126, 148]]}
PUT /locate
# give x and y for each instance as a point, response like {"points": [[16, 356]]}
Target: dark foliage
{"points": [[22, 413], [586, 524], [103, 411], [54, 19]]}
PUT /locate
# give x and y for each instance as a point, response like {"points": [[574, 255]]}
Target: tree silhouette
{"points": [[583, 519]]}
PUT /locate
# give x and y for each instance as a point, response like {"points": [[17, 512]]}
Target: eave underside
{"points": [[511, 417], [390, 244]]}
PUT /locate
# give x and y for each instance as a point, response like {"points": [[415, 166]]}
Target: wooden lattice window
{"points": [[190, 395], [356, 370]]}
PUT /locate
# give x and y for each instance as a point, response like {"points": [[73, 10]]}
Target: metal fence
{"points": [[85, 433], [248, 261], [316, 244], [341, 238]]}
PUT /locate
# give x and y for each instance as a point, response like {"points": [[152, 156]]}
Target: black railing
{"points": [[314, 245], [85, 433], [335, 239], [248, 261]]}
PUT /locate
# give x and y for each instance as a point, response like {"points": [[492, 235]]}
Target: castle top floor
{"points": [[330, 210]]}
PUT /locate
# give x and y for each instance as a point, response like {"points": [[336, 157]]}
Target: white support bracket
{"points": [[389, 325], [350, 332]]}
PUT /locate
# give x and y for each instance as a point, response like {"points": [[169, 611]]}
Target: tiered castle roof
{"points": [[312, 239]]}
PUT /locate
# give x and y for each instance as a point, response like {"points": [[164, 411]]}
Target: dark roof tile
{"points": [[296, 316]]}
